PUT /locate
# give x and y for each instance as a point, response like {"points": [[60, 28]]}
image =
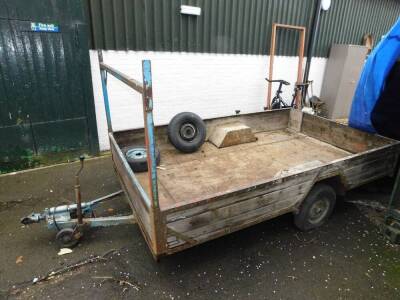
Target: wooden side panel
{"points": [[341, 136], [258, 122], [237, 211], [364, 168], [137, 198]]}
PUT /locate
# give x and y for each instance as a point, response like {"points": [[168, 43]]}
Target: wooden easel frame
{"points": [[302, 30]]}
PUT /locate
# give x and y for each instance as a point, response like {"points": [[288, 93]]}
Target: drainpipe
{"points": [[320, 5], [311, 41]]}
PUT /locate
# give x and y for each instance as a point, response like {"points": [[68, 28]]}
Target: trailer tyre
{"points": [[137, 157], [316, 208], [187, 132]]}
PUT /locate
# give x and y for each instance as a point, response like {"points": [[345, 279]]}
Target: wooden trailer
{"points": [[197, 197]]}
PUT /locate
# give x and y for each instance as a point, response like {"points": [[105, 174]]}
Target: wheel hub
{"points": [[136, 153], [318, 210], [188, 131]]}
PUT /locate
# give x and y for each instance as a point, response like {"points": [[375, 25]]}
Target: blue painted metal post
{"points": [[149, 130], [103, 74]]}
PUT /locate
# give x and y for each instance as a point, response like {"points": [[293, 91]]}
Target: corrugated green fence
{"points": [[231, 26], [46, 99]]}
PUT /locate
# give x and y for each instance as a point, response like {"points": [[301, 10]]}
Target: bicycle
{"points": [[278, 103]]}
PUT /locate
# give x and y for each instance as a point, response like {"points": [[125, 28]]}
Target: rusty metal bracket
{"points": [[148, 100]]}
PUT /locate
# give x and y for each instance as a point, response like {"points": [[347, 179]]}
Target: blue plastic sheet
{"points": [[372, 79]]}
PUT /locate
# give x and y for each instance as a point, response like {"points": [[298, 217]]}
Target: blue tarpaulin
{"points": [[372, 79]]}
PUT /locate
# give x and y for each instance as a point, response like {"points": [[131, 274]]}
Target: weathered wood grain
{"points": [[295, 120], [231, 135], [258, 122], [137, 198], [340, 135]]}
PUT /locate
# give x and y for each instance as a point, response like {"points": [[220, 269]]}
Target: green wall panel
{"points": [[231, 26], [46, 96]]}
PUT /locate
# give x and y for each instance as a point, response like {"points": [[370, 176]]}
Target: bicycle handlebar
{"points": [[278, 80], [304, 83]]}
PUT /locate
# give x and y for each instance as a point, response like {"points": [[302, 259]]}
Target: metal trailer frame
{"points": [[203, 217], [145, 88], [147, 93]]}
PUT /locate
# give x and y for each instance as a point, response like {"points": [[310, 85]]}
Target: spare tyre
{"points": [[187, 132], [137, 157]]}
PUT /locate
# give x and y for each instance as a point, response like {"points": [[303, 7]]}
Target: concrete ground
{"points": [[345, 259]]}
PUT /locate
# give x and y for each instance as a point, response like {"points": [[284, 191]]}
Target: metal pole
{"points": [[103, 74], [149, 131], [78, 196], [311, 41], [271, 66]]}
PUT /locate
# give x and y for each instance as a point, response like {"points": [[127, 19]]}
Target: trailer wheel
{"points": [[137, 157], [316, 208], [68, 237], [187, 132]]}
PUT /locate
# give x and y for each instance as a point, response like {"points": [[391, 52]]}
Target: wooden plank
{"points": [[370, 168], [341, 136], [243, 195], [213, 218], [240, 221], [135, 194], [231, 134], [364, 167], [249, 218], [258, 122], [179, 245], [295, 120], [237, 212]]}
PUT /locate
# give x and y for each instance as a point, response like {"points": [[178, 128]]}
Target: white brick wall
{"points": [[211, 85]]}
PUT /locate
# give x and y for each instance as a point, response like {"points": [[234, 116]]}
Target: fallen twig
{"points": [[77, 265], [68, 268], [120, 281]]}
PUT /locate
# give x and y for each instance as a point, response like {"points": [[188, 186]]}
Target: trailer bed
{"points": [[185, 179], [215, 191], [194, 198]]}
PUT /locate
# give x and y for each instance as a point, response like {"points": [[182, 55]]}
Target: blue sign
{"points": [[43, 27]]}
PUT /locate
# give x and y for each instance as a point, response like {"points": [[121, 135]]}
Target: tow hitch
{"points": [[70, 220]]}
